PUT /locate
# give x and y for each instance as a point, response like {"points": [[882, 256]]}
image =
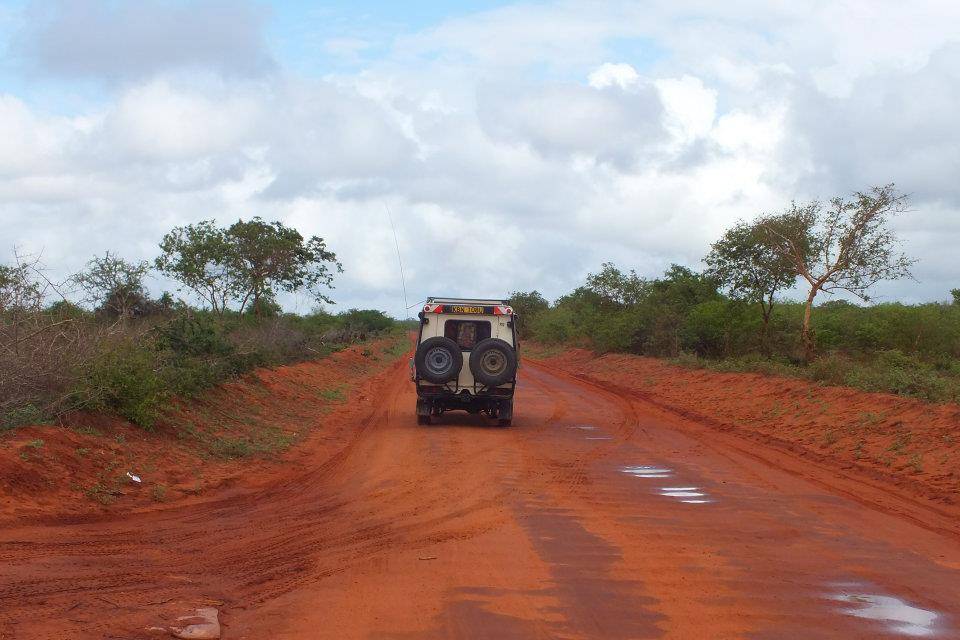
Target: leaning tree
{"points": [[847, 245]]}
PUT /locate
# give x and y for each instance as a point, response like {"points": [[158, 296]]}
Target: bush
{"points": [[194, 335], [911, 350], [832, 369], [125, 380], [365, 321]]}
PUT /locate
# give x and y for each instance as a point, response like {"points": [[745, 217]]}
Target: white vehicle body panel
{"points": [[498, 329]]}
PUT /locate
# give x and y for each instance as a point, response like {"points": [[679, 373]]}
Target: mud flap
{"points": [[505, 413], [424, 408]]}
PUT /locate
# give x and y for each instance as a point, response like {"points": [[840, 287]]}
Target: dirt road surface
{"points": [[593, 516]]}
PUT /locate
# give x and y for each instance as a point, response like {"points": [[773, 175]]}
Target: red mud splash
{"points": [[905, 442], [242, 427]]}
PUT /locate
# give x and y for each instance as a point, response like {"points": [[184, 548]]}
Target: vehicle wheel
{"points": [[505, 414], [493, 362], [438, 360], [421, 420]]}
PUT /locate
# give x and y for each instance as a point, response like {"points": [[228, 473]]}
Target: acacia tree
{"points": [[846, 246], [271, 257], [199, 257], [744, 261], [246, 263], [113, 284]]}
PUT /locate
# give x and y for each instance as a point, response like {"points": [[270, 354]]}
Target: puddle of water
{"points": [[686, 495], [900, 616], [647, 471]]}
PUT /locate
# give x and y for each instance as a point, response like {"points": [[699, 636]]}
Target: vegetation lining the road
{"points": [[730, 317], [163, 390], [233, 431], [99, 342], [902, 440]]}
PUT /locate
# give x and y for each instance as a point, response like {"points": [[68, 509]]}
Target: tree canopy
{"points": [[745, 262], [246, 264], [845, 246], [114, 285]]}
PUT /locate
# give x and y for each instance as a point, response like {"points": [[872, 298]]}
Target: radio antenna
{"points": [[396, 243]]}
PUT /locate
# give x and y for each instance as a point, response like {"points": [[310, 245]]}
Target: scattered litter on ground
{"points": [[205, 625], [134, 478]]}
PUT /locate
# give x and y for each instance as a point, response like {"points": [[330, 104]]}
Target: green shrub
{"points": [[832, 369], [365, 320], [126, 380], [28, 414], [194, 335]]}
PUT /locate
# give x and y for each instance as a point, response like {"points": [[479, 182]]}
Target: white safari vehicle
{"points": [[466, 358]]}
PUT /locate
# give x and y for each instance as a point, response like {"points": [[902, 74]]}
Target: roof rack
{"points": [[483, 301]]}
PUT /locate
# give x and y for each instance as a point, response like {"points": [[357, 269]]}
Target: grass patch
{"points": [[887, 372], [89, 431], [334, 395], [27, 415], [263, 441], [397, 348]]}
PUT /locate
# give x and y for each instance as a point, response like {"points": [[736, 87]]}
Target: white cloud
{"points": [[117, 40], [611, 74], [159, 122], [517, 148], [690, 107]]}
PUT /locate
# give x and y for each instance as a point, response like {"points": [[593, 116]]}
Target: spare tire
{"points": [[438, 360], [493, 362]]}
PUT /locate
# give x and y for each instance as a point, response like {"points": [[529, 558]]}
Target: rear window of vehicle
{"points": [[467, 333]]}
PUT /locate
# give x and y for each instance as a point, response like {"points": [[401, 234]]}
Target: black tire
{"points": [[505, 414], [438, 360], [493, 362]]}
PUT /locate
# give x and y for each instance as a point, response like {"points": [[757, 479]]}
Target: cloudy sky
{"points": [[517, 145]]}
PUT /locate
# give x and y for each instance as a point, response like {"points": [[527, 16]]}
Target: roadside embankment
{"points": [[100, 463], [903, 442]]}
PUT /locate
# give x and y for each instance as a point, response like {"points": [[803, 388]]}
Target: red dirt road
{"points": [[595, 515]]}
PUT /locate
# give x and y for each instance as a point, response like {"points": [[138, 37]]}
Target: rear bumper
{"points": [[464, 395]]}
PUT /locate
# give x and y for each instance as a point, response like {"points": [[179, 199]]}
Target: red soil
{"points": [[905, 443], [240, 428], [377, 527]]}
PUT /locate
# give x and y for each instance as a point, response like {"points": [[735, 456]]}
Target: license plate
{"points": [[465, 309]]}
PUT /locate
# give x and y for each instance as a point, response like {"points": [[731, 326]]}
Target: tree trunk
{"points": [[805, 334], [765, 336]]}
